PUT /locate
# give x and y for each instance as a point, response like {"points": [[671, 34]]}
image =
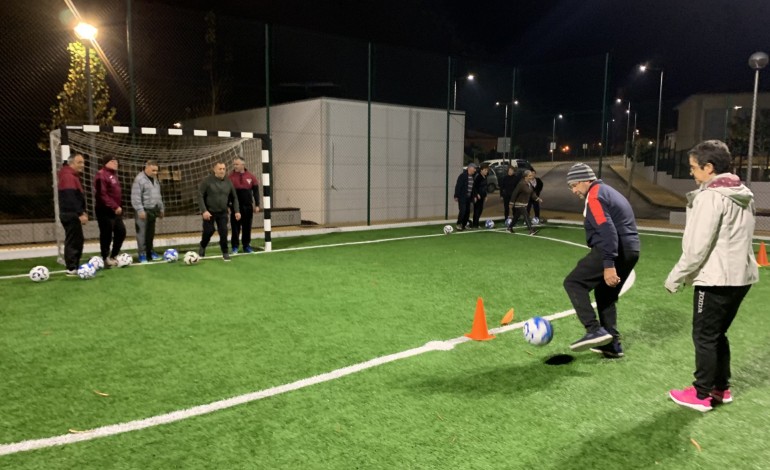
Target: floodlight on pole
{"points": [[87, 33], [757, 61], [644, 68], [470, 77]]}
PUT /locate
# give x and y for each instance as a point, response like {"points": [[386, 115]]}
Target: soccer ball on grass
{"points": [[448, 229], [97, 262], [490, 223], [124, 259], [171, 255], [39, 274], [86, 271], [191, 257], [538, 331]]}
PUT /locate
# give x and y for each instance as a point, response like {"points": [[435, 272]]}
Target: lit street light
{"points": [[87, 33], [470, 77], [757, 61], [553, 134], [644, 68], [506, 145]]}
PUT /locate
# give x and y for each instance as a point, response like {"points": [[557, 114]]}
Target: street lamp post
{"points": [[87, 33], [506, 144], [470, 77], [553, 135], [757, 61], [644, 68], [628, 125]]}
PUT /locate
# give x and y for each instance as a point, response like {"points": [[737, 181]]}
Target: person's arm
{"points": [[234, 198], [202, 190], [598, 215], [255, 192], [136, 196], [700, 234], [458, 185]]}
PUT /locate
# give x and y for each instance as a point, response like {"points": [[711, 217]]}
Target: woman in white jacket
{"points": [[718, 260]]}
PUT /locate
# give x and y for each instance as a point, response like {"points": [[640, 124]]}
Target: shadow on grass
{"points": [[647, 445], [515, 380]]}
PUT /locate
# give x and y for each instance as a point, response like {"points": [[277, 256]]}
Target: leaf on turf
{"points": [[507, 318], [695, 443], [101, 394]]}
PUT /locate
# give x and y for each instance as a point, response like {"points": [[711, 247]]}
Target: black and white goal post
{"points": [[184, 157]]}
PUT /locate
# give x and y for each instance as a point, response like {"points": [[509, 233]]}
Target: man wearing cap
{"points": [[109, 210], [464, 195], [612, 235]]}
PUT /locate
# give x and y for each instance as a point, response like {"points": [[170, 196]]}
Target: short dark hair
{"points": [[715, 152], [150, 163], [484, 166]]}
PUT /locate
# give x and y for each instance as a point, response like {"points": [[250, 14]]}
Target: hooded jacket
{"points": [[717, 243]]}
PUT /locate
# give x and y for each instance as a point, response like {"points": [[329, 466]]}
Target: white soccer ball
{"points": [[508, 222], [171, 255], [97, 262], [191, 257], [535, 220], [39, 274], [538, 331], [86, 271], [124, 259], [490, 223], [448, 229]]}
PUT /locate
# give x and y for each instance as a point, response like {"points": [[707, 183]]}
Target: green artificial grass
{"points": [[165, 337]]}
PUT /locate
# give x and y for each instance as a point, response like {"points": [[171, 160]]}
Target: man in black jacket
{"points": [[214, 194], [480, 191], [464, 195], [72, 211]]}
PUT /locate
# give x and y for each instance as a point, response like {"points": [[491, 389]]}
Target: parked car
{"points": [[499, 167]]}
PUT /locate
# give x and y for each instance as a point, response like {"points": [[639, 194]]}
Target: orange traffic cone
{"points": [[479, 330], [762, 255], [507, 318]]}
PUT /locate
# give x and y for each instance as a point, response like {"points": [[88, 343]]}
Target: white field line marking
{"points": [[179, 415]]}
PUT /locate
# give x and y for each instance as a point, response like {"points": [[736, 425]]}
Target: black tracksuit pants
{"points": [[242, 226], [112, 231], [220, 219], [73, 239]]}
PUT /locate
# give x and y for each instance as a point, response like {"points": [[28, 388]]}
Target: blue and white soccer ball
{"points": [[489, 223], [538, 331], [39, 274], [97, 262], [124, 259], [448, 229], [508, 222], [86, 271], [536, 220], [171, 255]]}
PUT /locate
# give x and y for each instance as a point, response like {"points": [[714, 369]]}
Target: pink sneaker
{"points": [[721, 396], [689, 398]]}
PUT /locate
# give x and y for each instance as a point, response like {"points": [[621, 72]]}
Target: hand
{"points": [[119, 211], [611, 277], [83, 218], [142, 215], [206, 215], [162, 214], [237, 216], [256, 209]]}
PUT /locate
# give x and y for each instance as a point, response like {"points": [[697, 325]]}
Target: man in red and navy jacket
{"points": [[72, 211], [109, 210], [247, 188], [612, 235]]}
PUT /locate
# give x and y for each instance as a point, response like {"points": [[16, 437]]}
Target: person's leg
{"points": [[235, 228], [247, 217], [141, 235], [478, 208], [70, 222], [607, 297], [119, 231], [221, 221], [506, 203], [536, 207], [208, 231], [466, 212], [104, 220], [149, 236], [579, 283]]}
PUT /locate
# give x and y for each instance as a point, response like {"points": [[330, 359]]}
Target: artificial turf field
{"points": [[145, 341]]}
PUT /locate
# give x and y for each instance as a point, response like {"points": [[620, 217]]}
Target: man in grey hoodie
{"points": [[718, 260]]}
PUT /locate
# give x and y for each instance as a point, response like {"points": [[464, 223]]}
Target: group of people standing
{"points": [[519, 192], [220, 199]]}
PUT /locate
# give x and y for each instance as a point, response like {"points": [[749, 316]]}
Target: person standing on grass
{"points": [[72, 211], [147, 202], [510, 180], [612, 235], [214, 194], [523, 195], [537, 187], [247, 187], [480, 191], [464, 195], [109, 210], [718, 260]]}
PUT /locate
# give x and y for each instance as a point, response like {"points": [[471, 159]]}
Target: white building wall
{"points": [[320, 158]]}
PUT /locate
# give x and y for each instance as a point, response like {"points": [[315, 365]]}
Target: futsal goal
{"points": [[184, 157]]}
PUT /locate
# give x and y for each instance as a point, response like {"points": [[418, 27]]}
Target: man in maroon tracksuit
{"points": [[72, 211], [247, 188], [109, 210]]}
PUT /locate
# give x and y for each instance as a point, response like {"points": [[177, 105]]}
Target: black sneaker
{"points": [[612, 350], [599, 337], [226, 256], [201, 252]]}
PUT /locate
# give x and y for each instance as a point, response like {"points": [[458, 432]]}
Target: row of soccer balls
{"points": [[88, 270], [490, 224]]}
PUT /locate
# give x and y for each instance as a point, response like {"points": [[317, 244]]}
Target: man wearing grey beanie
{"points": [[612, 235]]}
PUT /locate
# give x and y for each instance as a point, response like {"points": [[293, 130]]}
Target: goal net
{"points": [[184, 158]]}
